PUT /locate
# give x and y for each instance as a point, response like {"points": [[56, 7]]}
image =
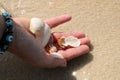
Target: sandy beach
{"points": [[98, 19]]}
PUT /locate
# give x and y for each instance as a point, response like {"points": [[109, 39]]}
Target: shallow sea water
{"points": [[98, 19]]}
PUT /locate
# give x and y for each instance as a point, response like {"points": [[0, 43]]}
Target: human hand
{"points": [[25, 46]]}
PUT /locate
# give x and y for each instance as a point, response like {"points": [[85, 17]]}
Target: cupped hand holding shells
{"points": [[27, 46]]}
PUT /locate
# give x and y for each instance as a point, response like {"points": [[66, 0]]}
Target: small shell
{"points": [[69, 41], [57, 55], [52, 49], [41, 31]]}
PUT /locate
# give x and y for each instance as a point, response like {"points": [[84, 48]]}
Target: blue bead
{"points": [[9, 38], [9, 23], [6, 14]]}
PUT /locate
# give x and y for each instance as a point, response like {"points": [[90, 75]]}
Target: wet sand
{"points": [[98, 19]]}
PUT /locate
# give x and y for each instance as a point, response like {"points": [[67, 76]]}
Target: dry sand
{"points": [[98, 19]]}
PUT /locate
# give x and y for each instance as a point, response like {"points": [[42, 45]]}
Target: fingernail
{"points": [[57, 55]]}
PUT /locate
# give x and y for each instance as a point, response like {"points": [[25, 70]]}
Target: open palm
{"points": [[25, 46]]}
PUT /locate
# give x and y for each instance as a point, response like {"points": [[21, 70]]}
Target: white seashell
{"points": [[57, 55], [36, 25], [71, 41], [41, 30], [46, 35]]}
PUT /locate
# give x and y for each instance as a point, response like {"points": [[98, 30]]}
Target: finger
{"points": [[85, 41], [76, 34], [74, 52], [53, 22]]}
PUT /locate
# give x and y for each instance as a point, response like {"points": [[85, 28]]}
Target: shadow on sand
{"points": [[15, 69]]}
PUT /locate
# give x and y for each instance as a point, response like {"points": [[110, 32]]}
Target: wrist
{"points": [[6, 31]]}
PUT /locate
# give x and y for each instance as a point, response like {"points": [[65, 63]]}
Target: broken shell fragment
{"points": [[41, 31], [69, 41], [60, 41], [57, 55]]}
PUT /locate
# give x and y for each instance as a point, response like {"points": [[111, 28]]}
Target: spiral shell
{"points": [[41, 31]]}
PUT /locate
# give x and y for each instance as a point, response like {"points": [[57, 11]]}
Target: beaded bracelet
{"points": [[8, 33]]}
